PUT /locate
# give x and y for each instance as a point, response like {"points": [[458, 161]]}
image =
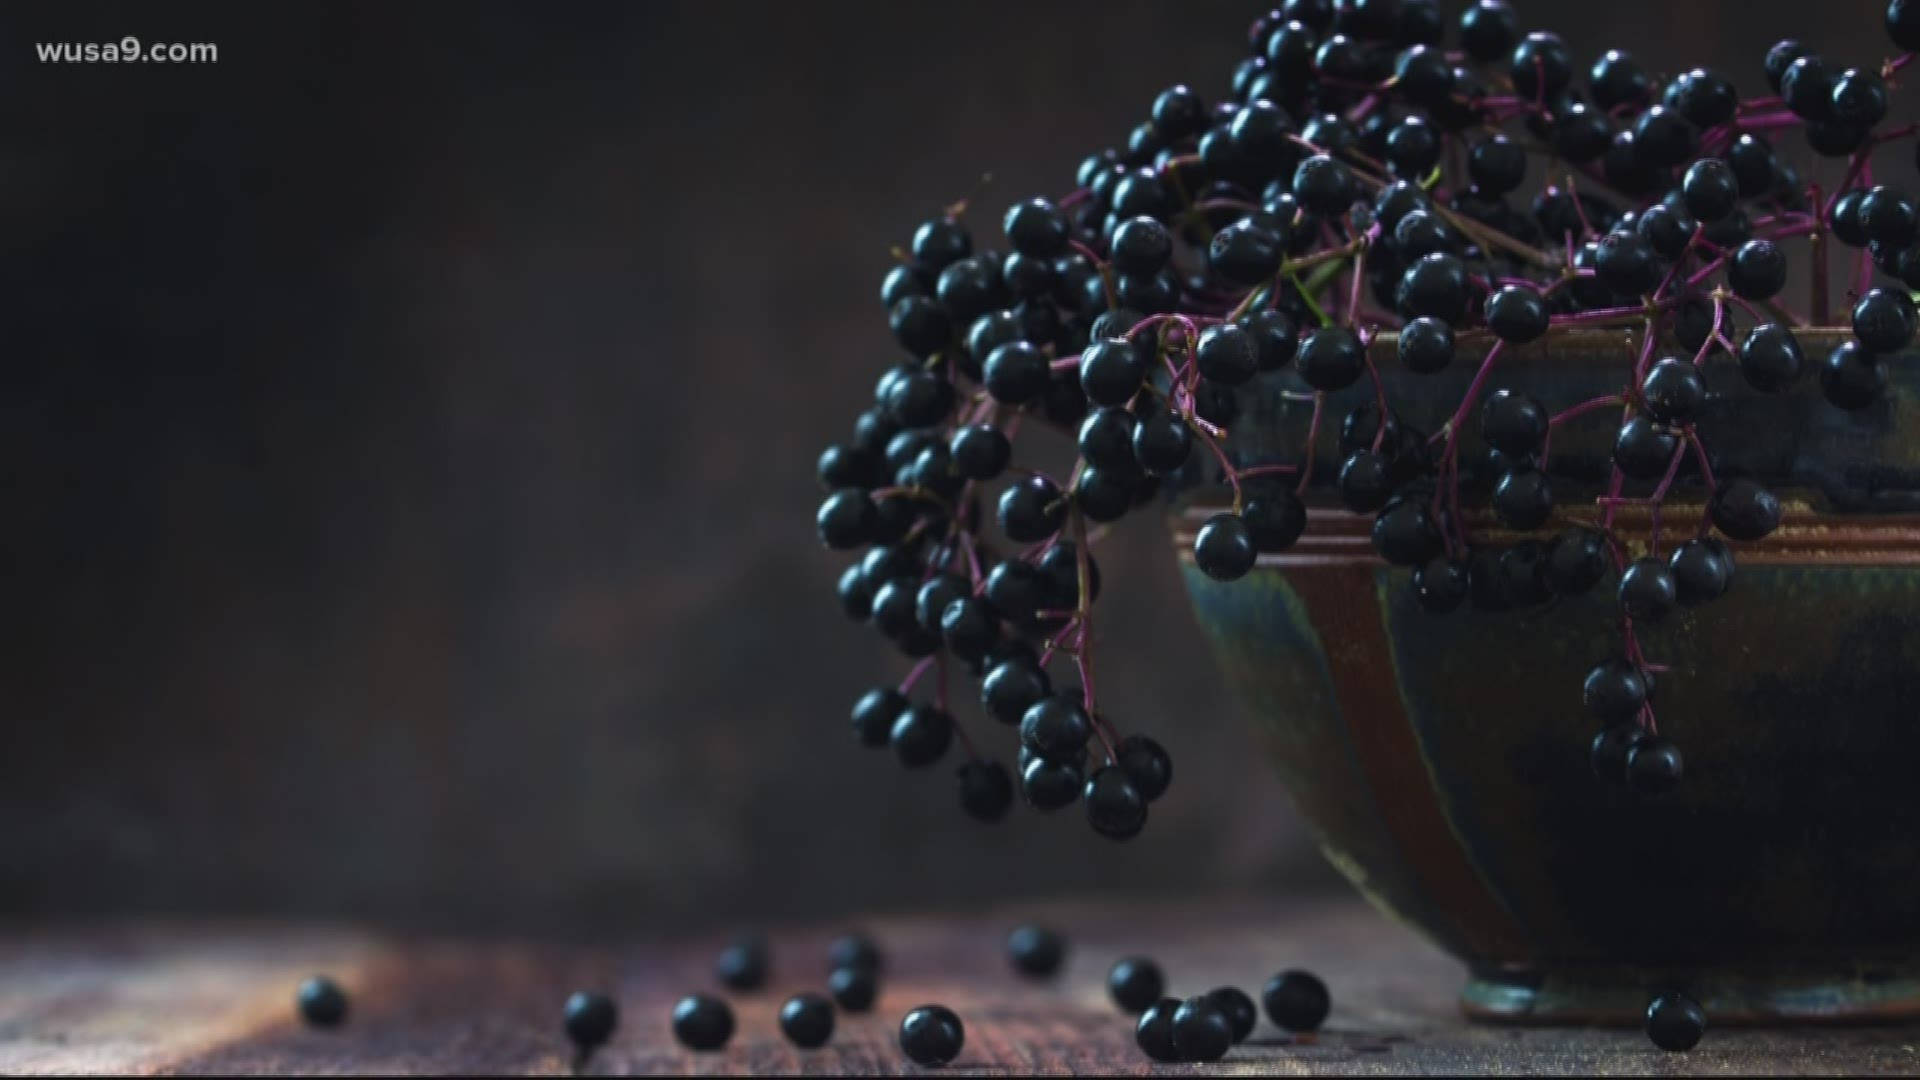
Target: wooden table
{"points": [[218, 999]]}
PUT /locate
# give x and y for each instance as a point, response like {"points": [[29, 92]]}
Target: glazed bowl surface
{"points": [[1443, 759]]}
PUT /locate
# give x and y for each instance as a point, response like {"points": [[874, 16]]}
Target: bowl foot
{"points": [[1619, 997]]}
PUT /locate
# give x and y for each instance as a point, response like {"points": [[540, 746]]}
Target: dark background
{"points": [[407, 427]]}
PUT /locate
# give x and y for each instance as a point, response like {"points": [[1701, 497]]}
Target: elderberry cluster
{"points": [[1366, 190]]}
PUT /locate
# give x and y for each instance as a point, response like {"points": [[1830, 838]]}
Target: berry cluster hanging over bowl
{"points": [[1368, 190]]}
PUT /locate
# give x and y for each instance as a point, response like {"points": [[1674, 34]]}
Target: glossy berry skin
{"points": [[1883, 320], [1016, 373], [1426, 346], [1201, 1031], [1147, 764], [1413, 148], [1244, 254], [920, 736], [1224, 549], [1037, 228], [1405, 535], [986, 790], [1674, 391], [1888, 216], [1056, 728], [981, 451], [931, 1035], [1140, 245], [742, 965], [1625, 264], [1012, 687], [321, 1002], [1049, 786], [1617, 79], [1036, 951], [1517, 314], [807, 1020], [1323, 186], [1435, 286], [702, 1023], [1666, 229], [1644, 450], [1488, 30], [1330, 358], [1539, 66], [1744, 510], [874, 713], [1675, 1022], [1647, 590], [920, 324], [1770, 358], [1115, 807], [1758, 270], [1226, 355], [1497, 165], [1135, 983], [1614, 691], [1153, 1032], [1296, 1000], [1663, 137], [1654, 767], [1276, 517], [1608, 753], [1440, 586], [1512, 422], [1709, 189], [1859, 97], [1523, 499], [1705, 99], [846, 519], [853, 988], [1851, 377], [1274, 337], [1807, 87], [1366, 482], [1702, 571], [1242, 1014], [1032, 510], [940, 241], [1576, 561], [1111, 371], [1162, 443]]}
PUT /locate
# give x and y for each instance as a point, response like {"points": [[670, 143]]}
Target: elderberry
{"points": [[931, 1035], [1135, 983], [1296, 1000], [321, 1002], [807, 1020], [1153, 1032], [1036, 951], [702, 1023], [1202, 1032], [1675, 1022]]}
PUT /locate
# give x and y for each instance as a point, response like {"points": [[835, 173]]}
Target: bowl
{"points": [[1443, 759]]}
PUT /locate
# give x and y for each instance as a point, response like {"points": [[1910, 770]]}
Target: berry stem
{"points": [[1313, 441], [1819, 244], [919, 669]]}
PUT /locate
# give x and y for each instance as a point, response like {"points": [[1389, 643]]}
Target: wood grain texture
{"points": [[205, 1000]]}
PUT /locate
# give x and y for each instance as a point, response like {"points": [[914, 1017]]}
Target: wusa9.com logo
{"points": [[128, 50]]}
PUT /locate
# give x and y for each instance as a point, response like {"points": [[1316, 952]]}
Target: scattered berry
{"points": [[931, 1035], [321, 1001], [702, 1023]]}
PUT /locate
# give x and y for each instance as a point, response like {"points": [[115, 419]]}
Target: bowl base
{"points": [[1619, 997]]}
